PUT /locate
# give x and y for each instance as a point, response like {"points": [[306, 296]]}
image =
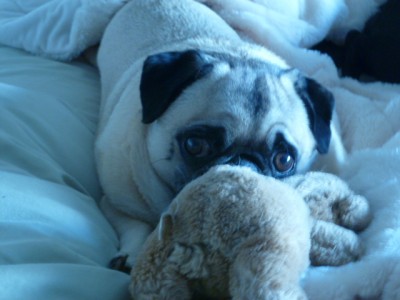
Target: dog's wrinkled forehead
{"points": [[166, 75], [252, 90], [250, 77], [252, 86]]}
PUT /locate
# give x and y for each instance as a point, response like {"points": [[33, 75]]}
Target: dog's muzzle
{"points": [[247, 160]]}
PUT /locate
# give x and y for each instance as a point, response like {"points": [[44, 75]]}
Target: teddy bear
{"points": [[235, 234], [332, 202]]}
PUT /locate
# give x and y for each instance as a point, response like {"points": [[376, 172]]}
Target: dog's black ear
{"points": [[165, 76], [319, 103]]}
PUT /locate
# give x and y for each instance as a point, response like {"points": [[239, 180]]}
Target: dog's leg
{"points": [[132, 235]]}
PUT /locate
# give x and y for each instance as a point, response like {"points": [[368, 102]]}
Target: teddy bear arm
{"points": [[154, 276], [330, 199], [352, 212], [333, 245], [189, 260]]}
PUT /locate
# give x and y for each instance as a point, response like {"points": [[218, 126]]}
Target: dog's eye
{"points": [[196, 146], [283, 161]]}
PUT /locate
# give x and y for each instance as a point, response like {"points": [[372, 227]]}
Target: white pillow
{"points": [[54, 241]]}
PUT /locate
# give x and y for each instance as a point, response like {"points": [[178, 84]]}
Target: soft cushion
{"points": [[54, 241]]}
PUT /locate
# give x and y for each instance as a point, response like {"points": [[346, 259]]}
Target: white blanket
{"points": [[60, 29], [368, 114]]}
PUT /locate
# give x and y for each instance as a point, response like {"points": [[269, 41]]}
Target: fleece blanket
{"points": [[367, 124]]}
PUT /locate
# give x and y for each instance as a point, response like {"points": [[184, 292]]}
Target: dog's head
{"points": [[207, 108]]}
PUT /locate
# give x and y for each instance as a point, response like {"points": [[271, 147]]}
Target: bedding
{"points": [[54, 241]]}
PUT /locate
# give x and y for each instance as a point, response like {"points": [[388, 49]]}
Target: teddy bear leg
{"points": [[262, 274]]}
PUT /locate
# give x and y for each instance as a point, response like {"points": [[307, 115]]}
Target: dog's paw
{"points": [[330, 199], [333, 245], [121, 263]]}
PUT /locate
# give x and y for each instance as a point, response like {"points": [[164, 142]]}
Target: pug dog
{"points": [[182, 92]]}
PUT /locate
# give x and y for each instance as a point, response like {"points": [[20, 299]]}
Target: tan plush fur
{"points": [[234, 233], [229, 232], [331, 201]]}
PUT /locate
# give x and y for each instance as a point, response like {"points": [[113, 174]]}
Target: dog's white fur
{"points": [[126, 149], [130, 155]]}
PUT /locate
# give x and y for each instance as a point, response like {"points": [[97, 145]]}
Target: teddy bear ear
{"points": [[165, 227]]}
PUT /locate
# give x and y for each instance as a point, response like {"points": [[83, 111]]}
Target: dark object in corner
{"points": [[375, 51]]}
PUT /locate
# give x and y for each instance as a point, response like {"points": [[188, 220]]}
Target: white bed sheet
{"points": [[54, 241]]}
